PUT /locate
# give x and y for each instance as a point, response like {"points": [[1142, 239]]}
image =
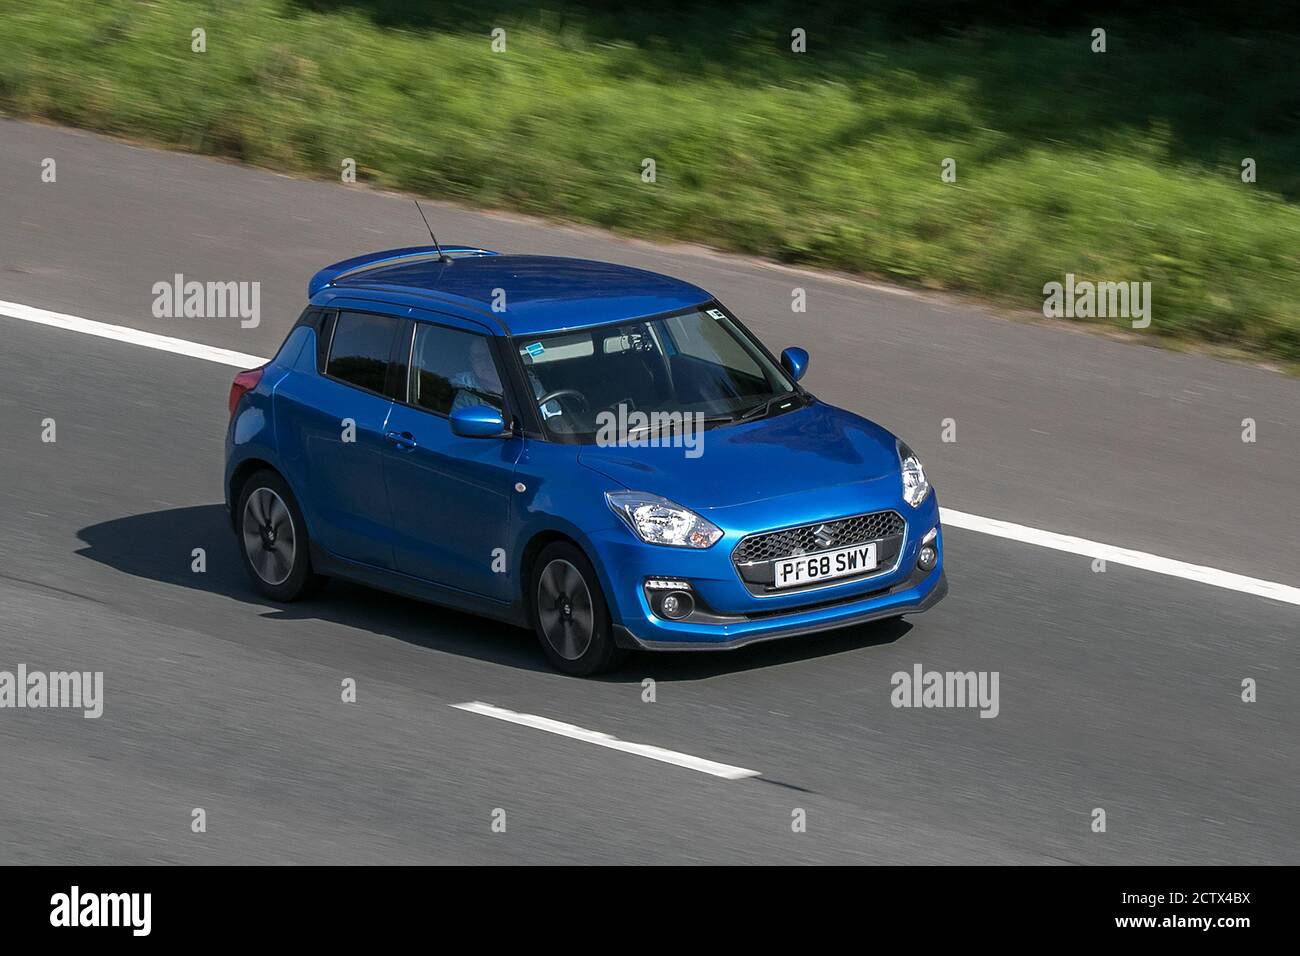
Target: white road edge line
{"points": [[726, 771], [953, 519], [122, 333], [1133, 559]]}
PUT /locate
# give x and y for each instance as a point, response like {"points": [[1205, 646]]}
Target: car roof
{"points": [[533, 295]]}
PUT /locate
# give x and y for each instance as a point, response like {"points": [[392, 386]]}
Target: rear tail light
{"points": [[244, 382]]}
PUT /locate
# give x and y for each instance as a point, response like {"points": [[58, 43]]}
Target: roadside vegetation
{"points": [[1118, 166]]}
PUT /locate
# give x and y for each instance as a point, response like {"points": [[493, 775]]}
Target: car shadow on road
{"points": [[701, 665], [159, 545]]}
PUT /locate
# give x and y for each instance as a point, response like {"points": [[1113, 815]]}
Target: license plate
{"points": [[825, 565]]}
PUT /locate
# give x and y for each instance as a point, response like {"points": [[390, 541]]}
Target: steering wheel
{"points": [[565, 393]]}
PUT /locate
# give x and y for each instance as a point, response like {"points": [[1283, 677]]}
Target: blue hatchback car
{"points": [[600, 453]]}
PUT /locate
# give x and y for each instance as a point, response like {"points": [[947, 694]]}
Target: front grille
{"points": [[859, 529]]}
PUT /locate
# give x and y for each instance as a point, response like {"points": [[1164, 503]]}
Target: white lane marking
{"points": [[122, 333], [1114, 555], [723, 770], [956, 519]]}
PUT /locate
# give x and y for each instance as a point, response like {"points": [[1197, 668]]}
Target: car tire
{"points": [[272, 538], [569, 612]]}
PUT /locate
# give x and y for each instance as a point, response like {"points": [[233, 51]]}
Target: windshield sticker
{"points": [[535, 349], [716, 314]]}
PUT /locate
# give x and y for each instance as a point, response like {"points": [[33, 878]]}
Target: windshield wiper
{"points": [[718, 419], [764, 407], [684, 422], [727, 419]]}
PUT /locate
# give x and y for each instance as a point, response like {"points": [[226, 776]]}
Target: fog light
{"points": [[676, 605], [927, 558]]}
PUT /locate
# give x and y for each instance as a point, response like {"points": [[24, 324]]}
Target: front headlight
{"points": [[657, 520], [915, 484]]}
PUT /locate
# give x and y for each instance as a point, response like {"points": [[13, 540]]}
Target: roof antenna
{"points": [[442, 256]]}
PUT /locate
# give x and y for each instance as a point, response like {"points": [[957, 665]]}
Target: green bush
{"points": [[1116, 166]]}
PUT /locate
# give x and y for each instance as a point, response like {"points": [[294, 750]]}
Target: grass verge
{"points": [[1115, 166]]}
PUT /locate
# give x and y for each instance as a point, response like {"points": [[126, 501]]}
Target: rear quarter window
{"points": [[324, 330]]}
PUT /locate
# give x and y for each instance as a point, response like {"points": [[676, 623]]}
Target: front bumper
{"points": [[730, 614], [910, 600]]}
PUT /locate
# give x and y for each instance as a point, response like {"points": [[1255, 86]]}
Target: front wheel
{"points": [[273, 538], [570, 614]]}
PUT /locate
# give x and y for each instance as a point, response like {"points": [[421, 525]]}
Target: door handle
{"points": [[403, 440]]}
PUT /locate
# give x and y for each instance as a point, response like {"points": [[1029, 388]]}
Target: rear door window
{"points": [[360, 349]]}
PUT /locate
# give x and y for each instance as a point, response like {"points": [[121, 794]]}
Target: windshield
{"points": [[698, 363]]}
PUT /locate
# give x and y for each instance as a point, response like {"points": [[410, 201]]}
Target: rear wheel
{"points": [[569, 612], [273, 538]]}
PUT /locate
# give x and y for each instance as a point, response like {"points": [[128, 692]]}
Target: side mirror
{"points": [[478, 421], [795, 361]]}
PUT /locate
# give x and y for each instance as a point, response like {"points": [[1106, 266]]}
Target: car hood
{"points": [[802, 453]]}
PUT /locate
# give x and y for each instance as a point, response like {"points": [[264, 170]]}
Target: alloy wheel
{"points": [[564, 609], [269, 538]]}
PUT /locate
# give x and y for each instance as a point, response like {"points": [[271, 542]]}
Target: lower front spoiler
{"points": [[625, 638]]}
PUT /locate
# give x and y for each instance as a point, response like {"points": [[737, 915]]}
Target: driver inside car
{"points": [[480, 384]]}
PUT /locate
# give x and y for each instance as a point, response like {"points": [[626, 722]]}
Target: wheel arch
{"points": [[534, 547], [528, 558], [245, 470]]}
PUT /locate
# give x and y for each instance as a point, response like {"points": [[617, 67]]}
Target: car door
{"points": [[334, 423], [450, 495]]}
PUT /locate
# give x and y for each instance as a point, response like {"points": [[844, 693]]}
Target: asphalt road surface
{"points": [[1119, 690]]}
